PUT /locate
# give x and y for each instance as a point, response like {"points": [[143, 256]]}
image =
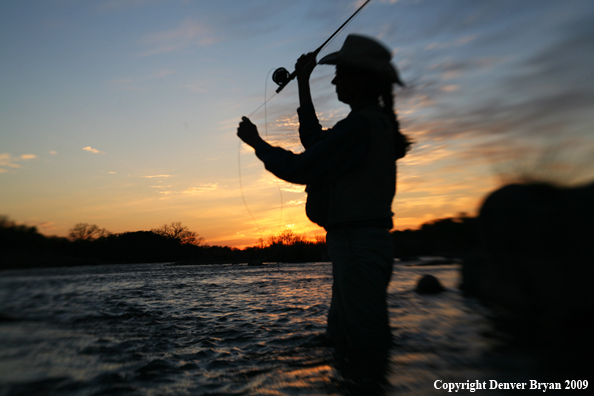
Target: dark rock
{"points": [[536, 262], [429, 284]]}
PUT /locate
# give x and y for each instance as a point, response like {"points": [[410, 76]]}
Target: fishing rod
{"points": [[282, 77]]}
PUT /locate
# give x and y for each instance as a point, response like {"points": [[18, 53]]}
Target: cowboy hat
{"points": [[360, 52]]}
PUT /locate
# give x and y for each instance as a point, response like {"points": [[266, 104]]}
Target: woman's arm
{"points": [[339, 150], [305, 64], [248, 132], [310, 129]]}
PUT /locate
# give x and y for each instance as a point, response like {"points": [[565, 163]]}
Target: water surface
{"points": [[155, 329]]}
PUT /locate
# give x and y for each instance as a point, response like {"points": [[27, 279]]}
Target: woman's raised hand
{"points": [[305, 65], [248, 132]]}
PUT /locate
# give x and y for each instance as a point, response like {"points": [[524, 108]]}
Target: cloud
{"points": [[450, 88], [457, 43], [271, 180], [92, 150], [189, 33], [7, 160], [156, 176], [200, 189], [295, 202], [204, 187], [535, 94]]}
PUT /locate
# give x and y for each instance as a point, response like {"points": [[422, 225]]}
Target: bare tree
{"points": [[286, 237], [87, 232], [180, 233], [320, 237]]}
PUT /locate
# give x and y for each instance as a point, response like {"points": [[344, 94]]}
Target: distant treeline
{"points": [[448, 237], [23, 246]]}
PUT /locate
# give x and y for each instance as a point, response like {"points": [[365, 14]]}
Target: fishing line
{"points": [[241, 188], [282, 77], [266, 99], [280, 191]]}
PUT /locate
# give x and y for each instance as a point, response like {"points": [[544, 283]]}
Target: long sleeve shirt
{"points": [[349, 170], [328, 153]]}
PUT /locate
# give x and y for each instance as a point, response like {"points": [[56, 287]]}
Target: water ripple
{"points": [[216, 330]]}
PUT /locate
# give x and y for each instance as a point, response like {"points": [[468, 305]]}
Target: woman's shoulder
{"points": [[355, 120]]}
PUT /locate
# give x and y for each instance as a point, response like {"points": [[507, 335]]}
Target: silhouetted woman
{"points": [[350, 173]]}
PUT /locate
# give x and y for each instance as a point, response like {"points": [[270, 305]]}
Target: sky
{"points": [[123, 113]]}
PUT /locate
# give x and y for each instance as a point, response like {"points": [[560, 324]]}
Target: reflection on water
{"points": [[225, 330]]}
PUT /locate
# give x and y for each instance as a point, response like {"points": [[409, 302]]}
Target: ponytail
{"points": [[374, 86], [401, 142]]}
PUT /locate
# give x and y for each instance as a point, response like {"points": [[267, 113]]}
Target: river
{"points": [[158, 329]]}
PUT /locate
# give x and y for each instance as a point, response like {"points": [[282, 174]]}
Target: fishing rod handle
{"points": [[286, 82], [296, 72]]}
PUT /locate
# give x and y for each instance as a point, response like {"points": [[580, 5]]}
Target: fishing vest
{"points": [[366, 192]]}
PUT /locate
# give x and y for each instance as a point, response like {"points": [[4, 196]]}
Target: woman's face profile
{"points": [[347, 85]]}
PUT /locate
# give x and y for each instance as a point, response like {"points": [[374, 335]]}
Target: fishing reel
{"points": [[281, 76]]}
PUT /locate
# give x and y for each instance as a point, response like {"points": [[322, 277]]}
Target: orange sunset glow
{"points": [[124, 114]]}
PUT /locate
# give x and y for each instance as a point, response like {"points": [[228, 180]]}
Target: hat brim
{"points": [[330, 59], [389, 71]]}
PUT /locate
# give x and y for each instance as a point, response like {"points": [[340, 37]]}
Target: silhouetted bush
{"points": [[23, 247], [14, 236], [449, 237], [137, 247]]}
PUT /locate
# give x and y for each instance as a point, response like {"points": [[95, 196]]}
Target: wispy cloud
{"points": [[92, 150], [156, 176], [450, 88], [295, 202], [205, 187], [189, 33], [272, 180], [457, 43], [7, 161], [197, 190], [513, 103]]}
